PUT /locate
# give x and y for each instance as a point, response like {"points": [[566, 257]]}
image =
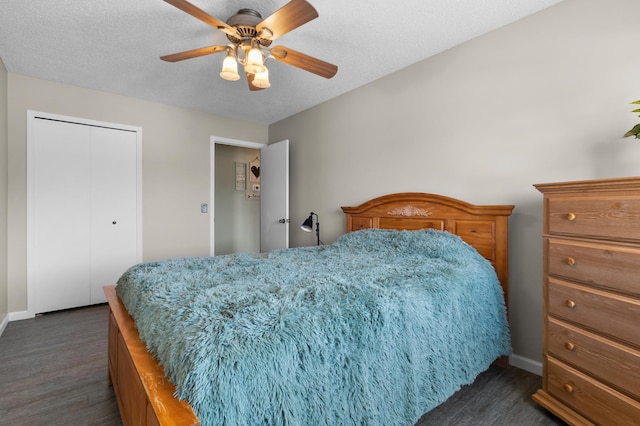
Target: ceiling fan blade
{"points": [[287, 18], [252, 87], [305, 62], [188, 54], [200, 14]]}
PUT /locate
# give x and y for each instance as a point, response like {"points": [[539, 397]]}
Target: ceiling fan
{"points": [[250, 37]]}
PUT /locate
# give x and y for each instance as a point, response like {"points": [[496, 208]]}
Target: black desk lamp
{"points": [[307, 226]]}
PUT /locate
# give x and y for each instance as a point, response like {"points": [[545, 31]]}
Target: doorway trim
{"points": [[212, 180]]}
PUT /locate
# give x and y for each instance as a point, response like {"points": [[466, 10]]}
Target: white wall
{"points": [[3, 197], [175, 166], [544, 99], [237, 218]]}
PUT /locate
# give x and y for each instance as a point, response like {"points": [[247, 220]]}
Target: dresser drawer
{"points": [[592, 399], [603, 265], [615, 315], [611, 362], [599, 216]]}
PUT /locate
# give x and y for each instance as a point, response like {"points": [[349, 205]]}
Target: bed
{"points": [[298, 347]]}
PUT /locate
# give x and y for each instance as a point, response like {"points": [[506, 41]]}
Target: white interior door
{"points": [[83, 209], [61, 215], [113, 207], [274, 196]]}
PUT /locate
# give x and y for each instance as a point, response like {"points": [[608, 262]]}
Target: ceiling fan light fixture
{"points": [[250, 39], [261, 79], [230, 68], [255, 61]]}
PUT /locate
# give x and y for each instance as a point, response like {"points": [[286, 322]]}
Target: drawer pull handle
{"points": [[568, 388], [571, 216], [569, 303], [571, 261], [570, 346]]}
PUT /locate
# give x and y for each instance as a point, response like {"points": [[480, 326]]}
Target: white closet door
{"points": [[113, 207], [61, 215], [83, 213]]}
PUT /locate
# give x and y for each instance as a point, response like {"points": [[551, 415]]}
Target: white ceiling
{"points": [[115, 45]]}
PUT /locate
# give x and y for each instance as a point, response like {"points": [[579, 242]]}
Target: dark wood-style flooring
{"points": [[53, 371]]}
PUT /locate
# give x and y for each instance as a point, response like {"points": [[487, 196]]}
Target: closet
{"points": [[83, 209]]}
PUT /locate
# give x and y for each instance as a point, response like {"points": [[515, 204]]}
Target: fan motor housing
{"points": [[245, 21]]}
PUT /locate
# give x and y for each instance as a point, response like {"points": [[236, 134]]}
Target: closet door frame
{"points": [[36, 115]]}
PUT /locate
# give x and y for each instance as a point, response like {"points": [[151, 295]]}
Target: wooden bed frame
{"points": [[145, 395], [485, 228]]}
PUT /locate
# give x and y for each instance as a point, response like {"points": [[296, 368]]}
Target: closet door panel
{"points": [[113, 205], [61, 215]]}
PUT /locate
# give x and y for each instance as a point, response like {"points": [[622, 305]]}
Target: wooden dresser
{"points": [[591, 246]]}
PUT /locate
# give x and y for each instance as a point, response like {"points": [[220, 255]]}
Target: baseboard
{"points": [[20, 315], [3, 323], [526, 364]]}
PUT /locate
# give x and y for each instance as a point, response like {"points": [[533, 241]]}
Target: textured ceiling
{"points": [[115, 45]]}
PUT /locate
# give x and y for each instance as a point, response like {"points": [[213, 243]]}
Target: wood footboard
{"points": [[144, 394]]}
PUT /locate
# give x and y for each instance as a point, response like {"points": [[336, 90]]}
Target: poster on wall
{"points": [[253, 189], [241, 176], [254, 171]]}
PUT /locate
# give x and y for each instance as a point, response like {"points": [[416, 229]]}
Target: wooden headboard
{"points": [[483, 227]]}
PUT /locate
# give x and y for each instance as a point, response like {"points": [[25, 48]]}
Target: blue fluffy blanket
{"points": [[374, 329]]}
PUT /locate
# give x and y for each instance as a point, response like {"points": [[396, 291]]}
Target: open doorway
{"points": [[234, 216]]}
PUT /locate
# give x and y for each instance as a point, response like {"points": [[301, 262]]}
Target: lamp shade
{"points": [[308, 224], [255, 63], [261, 79], [230, 68]]}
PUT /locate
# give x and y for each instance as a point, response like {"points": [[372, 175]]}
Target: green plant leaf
{"points": [[633, 132], [636, 102], [636, 110]]}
